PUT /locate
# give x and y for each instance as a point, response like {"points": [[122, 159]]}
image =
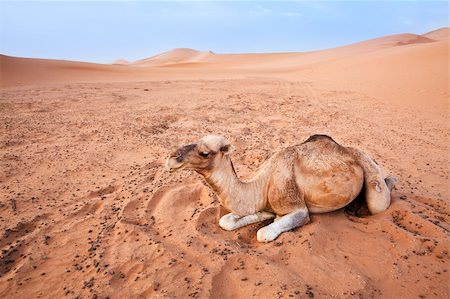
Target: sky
{"points": [[103, 31]]}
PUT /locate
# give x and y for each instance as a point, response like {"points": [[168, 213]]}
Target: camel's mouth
{"points": [[172, 164]]}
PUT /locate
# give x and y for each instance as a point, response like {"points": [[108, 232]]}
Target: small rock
{"points": [[278, 243]]}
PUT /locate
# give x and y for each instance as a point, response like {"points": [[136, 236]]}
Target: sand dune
{"points": [[439, 34], [180, 55], [395, 40], [121, 62], [394, 75], [88, 210], [28, 71]]}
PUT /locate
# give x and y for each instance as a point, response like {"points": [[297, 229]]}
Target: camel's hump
{"points": [[318, 137]]}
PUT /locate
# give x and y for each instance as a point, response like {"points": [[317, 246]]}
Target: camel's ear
{"points": [[227, 149]]}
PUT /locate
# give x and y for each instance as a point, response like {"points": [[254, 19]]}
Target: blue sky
{"points": [[103, 31]]}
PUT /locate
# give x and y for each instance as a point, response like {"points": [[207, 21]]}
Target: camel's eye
{"points": [[204, 154]]}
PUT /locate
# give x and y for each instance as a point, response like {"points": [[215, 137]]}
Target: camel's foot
{"points": [[232, 221], [283, 224], [390, 182]]}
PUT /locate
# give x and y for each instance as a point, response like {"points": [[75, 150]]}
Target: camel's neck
{"points": [[241, 198]]}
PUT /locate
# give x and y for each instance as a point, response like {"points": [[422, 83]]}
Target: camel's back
{"points": [[327, 173]]}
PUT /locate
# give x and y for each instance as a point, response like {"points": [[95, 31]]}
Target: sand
{"points": [[88, 210]]}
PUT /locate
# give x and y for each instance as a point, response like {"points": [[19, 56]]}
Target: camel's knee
{"points": [[378, 196], [283, 224], [228, 221]]}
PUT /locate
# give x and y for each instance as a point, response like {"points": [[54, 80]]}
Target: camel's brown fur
{"points": [[316, 176]]}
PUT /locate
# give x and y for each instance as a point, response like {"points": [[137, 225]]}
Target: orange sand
{"points": [[87, 208]]}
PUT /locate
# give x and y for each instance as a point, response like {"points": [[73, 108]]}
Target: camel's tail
{"points": [[390, 182], [378, 188]]}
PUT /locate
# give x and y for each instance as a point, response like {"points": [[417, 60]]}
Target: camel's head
{"points": [[200, 156]]}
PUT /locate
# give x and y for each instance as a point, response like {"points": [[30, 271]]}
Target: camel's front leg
{"points": [[232, 221], [283, 224]]}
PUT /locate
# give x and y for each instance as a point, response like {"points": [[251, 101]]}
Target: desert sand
{"points": [[87, 209]]}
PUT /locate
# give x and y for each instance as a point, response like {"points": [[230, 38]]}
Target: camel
{"points": [[316, 176]]}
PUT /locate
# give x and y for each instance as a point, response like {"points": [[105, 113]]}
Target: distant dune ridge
{"points": [[179, 55], [185, 55], [438, 34], [15, 70], [121, 61]]}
